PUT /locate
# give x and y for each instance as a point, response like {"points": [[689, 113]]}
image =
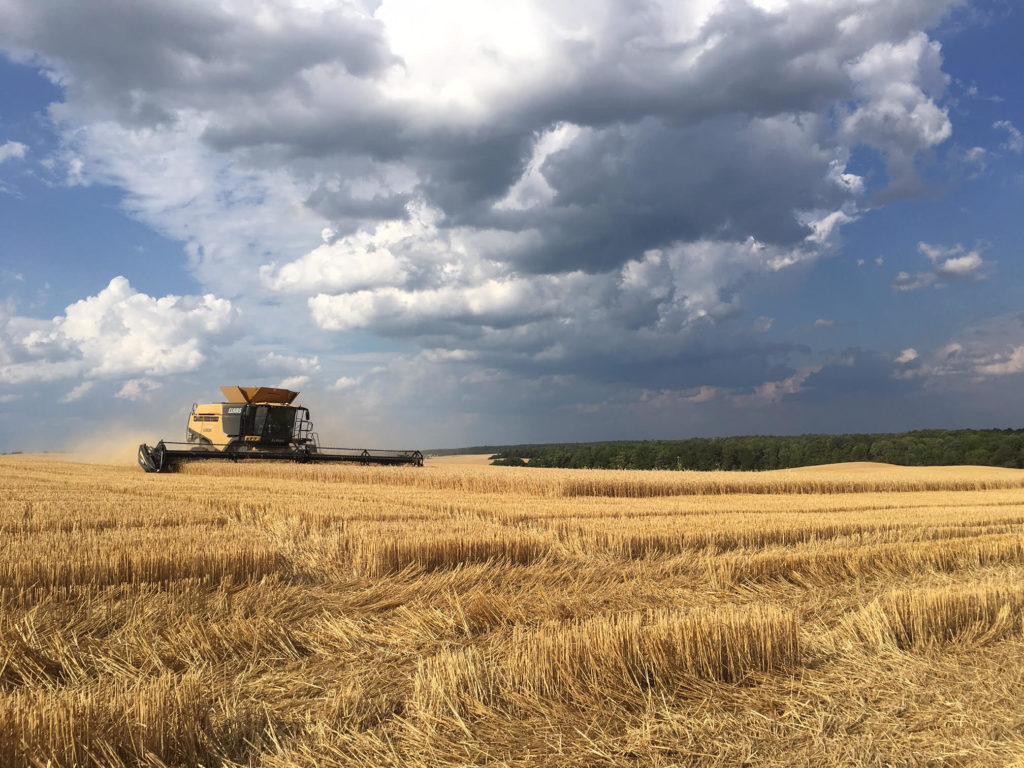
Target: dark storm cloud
{"points": [[341, 206], [621, 191], [856, 372], [648, 109], [672, 149], [596, 210], [717, 358], [189, 53], [675, 152]]}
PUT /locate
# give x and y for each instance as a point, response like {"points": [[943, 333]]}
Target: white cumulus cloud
{"points": [[898, 115], [346, 382], [907, 355], [905, 281], [78, 392], [947, 263], [117, 332], [954, 263], [1014, 138], [12, 149], [994, 347], [1003, 364], [294, 382], [290, 363], [641, 305], [138, 389]]}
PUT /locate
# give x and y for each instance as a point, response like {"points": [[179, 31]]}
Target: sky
{"points": [[461, 223]]}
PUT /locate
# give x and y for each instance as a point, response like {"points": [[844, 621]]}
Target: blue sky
{"points": [[461, 225]]}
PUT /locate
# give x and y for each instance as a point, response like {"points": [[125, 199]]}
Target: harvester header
{"points": [[258, 423]]}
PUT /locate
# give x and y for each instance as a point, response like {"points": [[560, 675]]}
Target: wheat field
{"points": [[464, 615]]}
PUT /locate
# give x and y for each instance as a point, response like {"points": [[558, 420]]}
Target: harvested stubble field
{"points": [[242, 615]]}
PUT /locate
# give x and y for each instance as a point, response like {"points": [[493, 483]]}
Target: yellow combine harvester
{"points": [[257, 423]]}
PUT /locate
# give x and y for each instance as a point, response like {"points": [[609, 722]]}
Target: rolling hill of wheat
{"points": [[286, 616]]}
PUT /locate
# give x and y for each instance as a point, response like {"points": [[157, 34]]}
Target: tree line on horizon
{"points": [[932, 447]]}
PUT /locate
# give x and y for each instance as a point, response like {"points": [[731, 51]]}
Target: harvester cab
{"points": [[261, 423], [252, 418]]}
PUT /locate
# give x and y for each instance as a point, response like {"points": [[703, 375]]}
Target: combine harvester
{"points": [[257, 423]]}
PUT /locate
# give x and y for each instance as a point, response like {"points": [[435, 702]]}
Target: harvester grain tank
{"points": [[260, 424]]}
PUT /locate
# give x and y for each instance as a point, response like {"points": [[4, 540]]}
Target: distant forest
{"points": [[989, 447]]}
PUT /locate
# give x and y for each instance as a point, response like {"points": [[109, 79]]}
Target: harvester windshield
{"points": [[272, 423]]}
